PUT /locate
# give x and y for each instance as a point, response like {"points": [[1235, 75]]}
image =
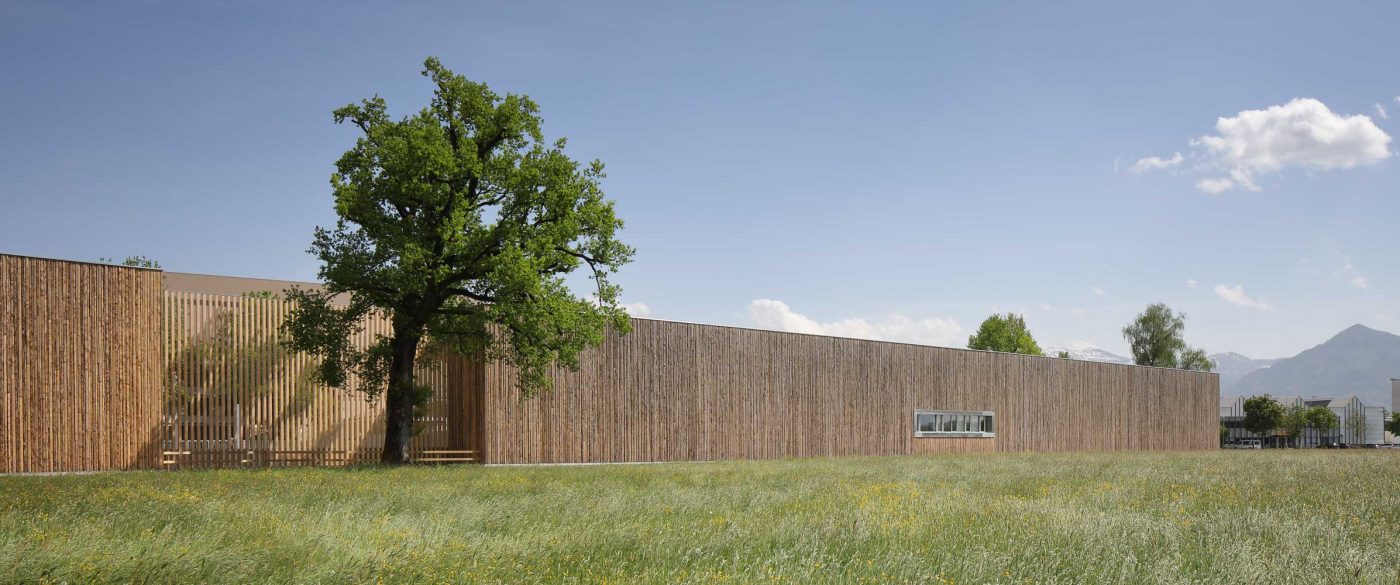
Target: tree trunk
{"points": [[398, 407]]}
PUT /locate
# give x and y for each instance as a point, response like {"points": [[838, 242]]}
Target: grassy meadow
{"points": [[1228, 516]]}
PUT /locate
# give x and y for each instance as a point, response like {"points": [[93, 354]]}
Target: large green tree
{"points": [[1156, 337], [1262, 414], [458, 224], [1007, 333]]}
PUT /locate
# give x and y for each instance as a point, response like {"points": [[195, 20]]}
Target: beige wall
{"points": [[227, 285]]}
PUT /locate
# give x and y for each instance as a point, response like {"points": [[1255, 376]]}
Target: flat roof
{"points": [[229, 285]]}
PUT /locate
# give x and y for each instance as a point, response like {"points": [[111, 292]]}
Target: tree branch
{"points": [[471, 295]]}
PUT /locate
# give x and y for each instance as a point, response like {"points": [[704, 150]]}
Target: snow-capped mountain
{"points": [[1092, 354], [1233, 366]]}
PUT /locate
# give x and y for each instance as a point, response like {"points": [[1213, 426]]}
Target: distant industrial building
{"points": [[1360, 424]]}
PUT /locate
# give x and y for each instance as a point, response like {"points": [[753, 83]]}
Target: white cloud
{"points": [[776, 315], [1235, 295], [1044, 306], [1215, 186], [1354, 278], [1154, 163], [637, 309], [1380, 111], [1302, 133], [1078, 312], [1098, 292], [1191, 282]]}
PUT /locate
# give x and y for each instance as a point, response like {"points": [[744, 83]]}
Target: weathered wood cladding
{"points": [[678, 391], [79, 380], [98, 370], [235, 396]]}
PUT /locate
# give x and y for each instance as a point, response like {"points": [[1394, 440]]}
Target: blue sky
{"points": [[885, 170]]}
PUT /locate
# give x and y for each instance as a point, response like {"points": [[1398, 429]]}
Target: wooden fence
{"points": [[678, 391], [234, 396], [79, 389]]}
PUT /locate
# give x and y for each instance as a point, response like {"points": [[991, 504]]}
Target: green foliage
{"points": [[1156, 338], [459, 223], [1322, 418], [1196, 359], [1294, 421], [1299, 418], [1005, 333], [1262, 414], [133, 261], [1393, 423], [1064, 355]]}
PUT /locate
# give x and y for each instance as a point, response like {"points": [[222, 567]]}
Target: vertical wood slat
{"points": [[677, 391], [79, 366], [79, 389], [240, 398]]}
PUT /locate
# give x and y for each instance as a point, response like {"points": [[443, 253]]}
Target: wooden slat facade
{"points": [[678, 391], [234, 396], [78, 388], [100, 369]]}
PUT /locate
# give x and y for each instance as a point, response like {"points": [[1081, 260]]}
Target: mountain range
{"points": [[1359, 361], [1233, 367]]}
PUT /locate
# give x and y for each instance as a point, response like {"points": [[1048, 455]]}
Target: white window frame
{"points": [[941, 433]]}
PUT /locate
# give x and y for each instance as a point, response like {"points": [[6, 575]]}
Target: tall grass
{"points": [[1260, 517]]}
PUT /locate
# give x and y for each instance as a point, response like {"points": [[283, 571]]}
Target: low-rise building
{"points": [[1360, 424]]}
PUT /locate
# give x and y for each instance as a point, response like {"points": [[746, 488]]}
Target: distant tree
{"points": [[1322, 419], [1262, 414], [459, 224], [1005, 333], [1156, 339], [133, 261], [1064, 355], [1356, 426], [1393, 423], [1298, 419], [1224, 433], [1196, 359], [1294, 422]]}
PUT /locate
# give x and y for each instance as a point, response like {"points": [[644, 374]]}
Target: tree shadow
{"points": [[234, 395]]}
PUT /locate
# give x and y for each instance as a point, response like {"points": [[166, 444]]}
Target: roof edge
{"points": [[87, 262]]}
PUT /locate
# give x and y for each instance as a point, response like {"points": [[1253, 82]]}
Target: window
{"points": [[954, 423]]}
